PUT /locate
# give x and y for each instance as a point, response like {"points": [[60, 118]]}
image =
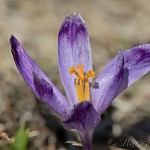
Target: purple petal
{"points": [[81, 116], [36, 79], [108, 84], [73, 49], [136, 64], [45, 91]]}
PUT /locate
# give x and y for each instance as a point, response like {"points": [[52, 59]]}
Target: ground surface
{"points": [[112, 24]]}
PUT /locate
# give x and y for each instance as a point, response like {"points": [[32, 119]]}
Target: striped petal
{"points": [[73, 49], [108, 84], [136, 65], [37, 80]]}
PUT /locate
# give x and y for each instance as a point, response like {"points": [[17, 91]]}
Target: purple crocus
{"points": [[86, 102]]}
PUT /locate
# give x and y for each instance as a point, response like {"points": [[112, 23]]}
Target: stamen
{"points": [[90, 74], [73, 70], [82, 82]]}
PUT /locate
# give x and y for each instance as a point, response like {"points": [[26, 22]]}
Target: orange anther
{"points": [[82, 82]]}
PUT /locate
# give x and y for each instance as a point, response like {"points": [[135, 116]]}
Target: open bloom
{"points": [[86, 102]]}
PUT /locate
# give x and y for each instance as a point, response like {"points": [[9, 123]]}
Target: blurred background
{"points": [[113, 25]]}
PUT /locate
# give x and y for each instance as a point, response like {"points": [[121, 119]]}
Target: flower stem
{"points": [[86, 138]]}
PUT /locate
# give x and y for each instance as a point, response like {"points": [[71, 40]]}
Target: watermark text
{"points": [[128, 143]]}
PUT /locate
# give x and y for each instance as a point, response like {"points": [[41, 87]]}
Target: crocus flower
{"points": [[85, 104]]}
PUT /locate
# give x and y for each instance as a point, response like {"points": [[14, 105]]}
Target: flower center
{"points": [[82, 82]]}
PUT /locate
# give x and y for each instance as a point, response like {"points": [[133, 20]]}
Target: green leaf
{"points": [[21, 139]]}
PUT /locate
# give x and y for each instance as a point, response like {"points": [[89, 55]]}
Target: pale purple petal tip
{"points": [[28, 68], [73, 49]]}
